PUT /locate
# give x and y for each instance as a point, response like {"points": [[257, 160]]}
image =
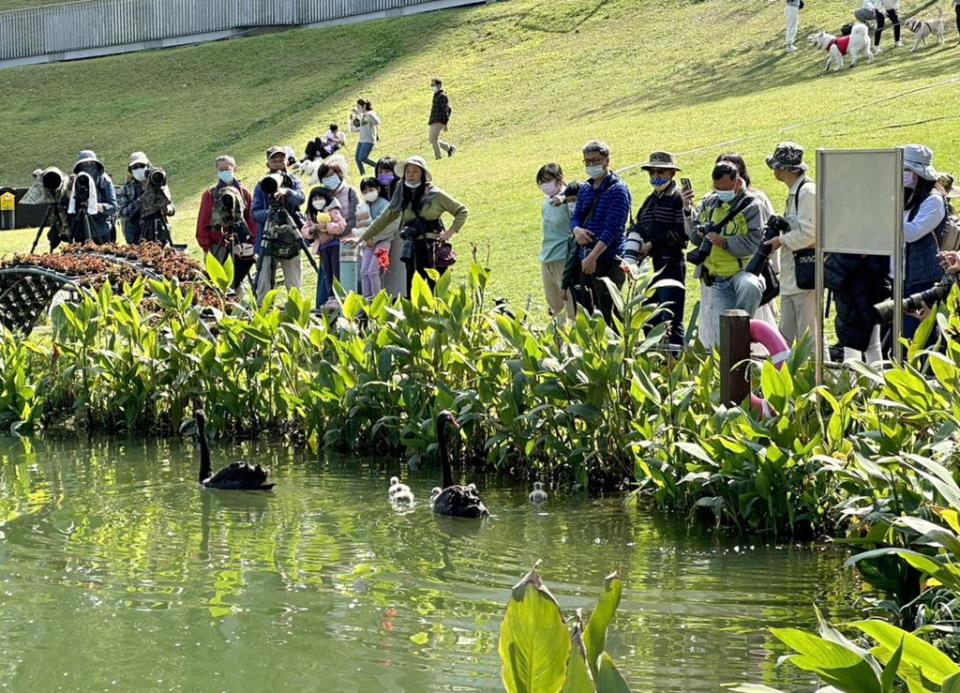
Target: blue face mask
{"points": [[594, 172], [226, 177], [331, 182], [659, 182], [726, 195]]}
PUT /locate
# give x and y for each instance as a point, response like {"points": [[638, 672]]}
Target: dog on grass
{"points": [[925, 28], [856, 46]]}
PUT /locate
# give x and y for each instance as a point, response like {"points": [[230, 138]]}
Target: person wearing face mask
{"points": [[289, 196], [419, 206], [556, 215], [92, 208], [925, 211], [798, 301], [661, 228], [333, 177], [394, 278], [732, 221], [439, 122], [128, 197], [375, 254], [324, 226], [221, 228], [598, 226]]}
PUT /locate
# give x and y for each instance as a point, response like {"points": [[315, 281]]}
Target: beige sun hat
{"points": [[662, 160], [138, 158], [416, 161]]}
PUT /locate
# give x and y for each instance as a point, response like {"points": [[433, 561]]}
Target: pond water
{"points": [[118, 573]]}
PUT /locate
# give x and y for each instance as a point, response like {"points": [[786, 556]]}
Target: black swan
{"points": [[238, 476], [456, 501]]}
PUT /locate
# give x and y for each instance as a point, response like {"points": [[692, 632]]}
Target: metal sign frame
{"points": [[821, 248]]}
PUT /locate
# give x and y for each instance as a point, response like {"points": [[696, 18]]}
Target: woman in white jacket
{"points": [[888, 8]]}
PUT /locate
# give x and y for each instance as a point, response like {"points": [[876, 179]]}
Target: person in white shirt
{"points": [[798, 301], [793, 23]]}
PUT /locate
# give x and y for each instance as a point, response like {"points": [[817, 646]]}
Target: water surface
{"points": [[118, 573]]}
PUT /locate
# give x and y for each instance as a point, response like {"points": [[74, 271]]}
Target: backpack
{"points": [[948, 233], [281, 236]]}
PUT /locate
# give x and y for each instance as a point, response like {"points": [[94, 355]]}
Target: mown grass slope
{"points": [[530, 81]]}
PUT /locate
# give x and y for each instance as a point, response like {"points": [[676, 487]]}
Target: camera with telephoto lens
{"points": [[81, 192], [157, 177], [52, 181], [409, 234], [915, 303], [775, 226], [632, 246], [698, 256]]}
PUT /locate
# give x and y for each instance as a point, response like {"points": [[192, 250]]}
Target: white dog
{"points": [[924, 28], [856, 45]]}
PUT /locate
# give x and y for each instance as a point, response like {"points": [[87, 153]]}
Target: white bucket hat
{"points": [[416, 161], [919, 159], [137, 158], [86, 156]]}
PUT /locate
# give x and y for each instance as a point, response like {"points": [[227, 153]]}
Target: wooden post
{"points": [[734, 353]]}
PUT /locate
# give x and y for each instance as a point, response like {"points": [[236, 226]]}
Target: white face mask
{"points": [[371, 196], [909, 179], [319, 204], [412, 185], [140, 174]]}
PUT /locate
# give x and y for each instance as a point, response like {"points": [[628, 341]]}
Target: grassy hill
{"points": [[530, 81]]}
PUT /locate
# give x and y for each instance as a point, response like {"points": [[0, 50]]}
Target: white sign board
{"points": [[860, 197], [859, 210]]}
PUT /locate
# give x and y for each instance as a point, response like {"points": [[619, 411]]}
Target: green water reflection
{"points": [[118, 573]]}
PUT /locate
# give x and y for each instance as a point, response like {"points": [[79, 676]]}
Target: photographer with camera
{"points": [[145, 202], [225, 225], [420, 206], [727, 229], [925, 211], [660, 234], [93, 201], [276, 210], [798, 300]]}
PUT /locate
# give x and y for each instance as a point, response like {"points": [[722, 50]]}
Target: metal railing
{"points": [[97, 24]]}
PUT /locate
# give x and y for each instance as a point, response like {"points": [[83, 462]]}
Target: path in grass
{"points": [[530, 81]]}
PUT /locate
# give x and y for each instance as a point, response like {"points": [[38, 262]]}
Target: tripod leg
{"points": [[36, 241]]}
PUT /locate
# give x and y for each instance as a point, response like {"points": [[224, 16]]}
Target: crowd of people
{"points": [[745, 255]]}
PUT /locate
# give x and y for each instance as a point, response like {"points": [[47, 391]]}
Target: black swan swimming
{"points": [[456, 501], [238, 476]]}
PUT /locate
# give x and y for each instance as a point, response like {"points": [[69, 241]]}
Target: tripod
{"points": [[52, 218], [80, 228]]}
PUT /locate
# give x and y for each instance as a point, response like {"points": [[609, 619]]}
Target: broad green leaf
{"points": [[890, 671], [951, 684], [834, 663], [534, 642], [216, 272], [595, 637], [609, 680], [933, 664]]}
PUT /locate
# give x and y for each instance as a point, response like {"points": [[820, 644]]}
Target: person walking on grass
{"points": [[369, 135], [793, 23], [440, 113]]}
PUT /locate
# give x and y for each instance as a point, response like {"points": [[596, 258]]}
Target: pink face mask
{"points": [[550, 189]]}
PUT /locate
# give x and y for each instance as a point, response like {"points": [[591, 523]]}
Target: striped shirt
{"points": [[609, 219], [660, 222]]}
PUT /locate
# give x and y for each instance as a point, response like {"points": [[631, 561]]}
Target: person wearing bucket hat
{"points": [[798, 301], [419, 205], [660, 233], [130, 194], [925, 211], [93, 203]]}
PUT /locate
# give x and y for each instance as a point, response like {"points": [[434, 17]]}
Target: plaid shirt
{"points": [[440, 111]]}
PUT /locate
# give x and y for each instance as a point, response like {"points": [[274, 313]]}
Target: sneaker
{"points": [[791, 49], [877, 50], [451, 151], [899, 44]]}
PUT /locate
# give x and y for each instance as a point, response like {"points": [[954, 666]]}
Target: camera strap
{"points": [[734, 211], [606, 185]]}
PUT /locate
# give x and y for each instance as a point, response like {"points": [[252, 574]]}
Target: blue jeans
{"points": [[742, 291], [363, 155]]}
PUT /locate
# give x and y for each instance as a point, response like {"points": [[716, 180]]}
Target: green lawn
{"points": [[530, 81]]}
